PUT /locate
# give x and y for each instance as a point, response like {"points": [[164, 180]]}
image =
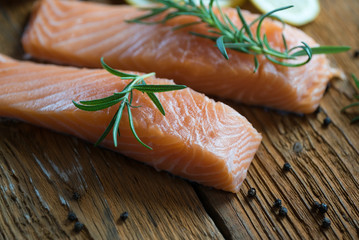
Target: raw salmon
{"points": [[79, 33], [198, 139]]}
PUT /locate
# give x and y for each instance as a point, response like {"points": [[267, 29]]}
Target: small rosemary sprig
{"points": [[228, 36], [355, 119], [124, 99]]}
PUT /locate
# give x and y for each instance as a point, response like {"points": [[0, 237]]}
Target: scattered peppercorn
{"points": [[316, 205], [78, 226], [286, 166], [356, 54], [251, 192], [297, 147], [124, 216], [325, 223], [323, 208], [283, 211], [318, 110], [277, 203], [326, 122], [76, 196], [71, 216]]}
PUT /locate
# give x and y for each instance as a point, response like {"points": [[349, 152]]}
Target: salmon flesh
{"points": [[80, 33], [198, 139]]}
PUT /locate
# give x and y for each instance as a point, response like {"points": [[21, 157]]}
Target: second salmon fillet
{"points": [[80, 33], [198, 139]]}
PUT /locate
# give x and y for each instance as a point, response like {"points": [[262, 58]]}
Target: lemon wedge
{"points": [[222, 3], [302, 12]]}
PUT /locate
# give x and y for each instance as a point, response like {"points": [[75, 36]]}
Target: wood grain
{"points": [[39, 179], [40, 170]]}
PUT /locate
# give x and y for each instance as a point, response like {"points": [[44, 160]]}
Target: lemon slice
{"points": [[302, 12], [222, 3]]}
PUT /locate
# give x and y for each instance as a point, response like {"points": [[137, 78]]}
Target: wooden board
{"points": [[40, 170]]}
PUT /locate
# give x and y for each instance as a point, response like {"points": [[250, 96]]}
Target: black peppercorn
{"points": [[76, 196], [287, 167], [71, 216], [78, 226], [326, 122], [318, 110], [283, 211], [323, 208], [356, 54], [251, 192], [277, 203], [124, 216], [325, 223], [316, 205]]}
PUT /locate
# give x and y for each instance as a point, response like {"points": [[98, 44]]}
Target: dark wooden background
{"points": [[40, 170]]}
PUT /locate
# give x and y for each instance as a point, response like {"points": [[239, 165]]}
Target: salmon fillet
{"points": [[80, 33], [198, 139]]}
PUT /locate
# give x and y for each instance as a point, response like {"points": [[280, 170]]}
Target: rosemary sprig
{"points": [[355, 119], [228, 36], [124, 99]]}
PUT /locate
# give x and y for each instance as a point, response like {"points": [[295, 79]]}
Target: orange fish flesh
{"points": [[198, 139], [80, 33]]}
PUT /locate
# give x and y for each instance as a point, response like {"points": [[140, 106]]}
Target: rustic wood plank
{"points": [[327, 170], [40, 171]]}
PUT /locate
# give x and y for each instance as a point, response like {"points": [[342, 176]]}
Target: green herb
{"points": [[124, 99], [355, 103], [227, 36]]}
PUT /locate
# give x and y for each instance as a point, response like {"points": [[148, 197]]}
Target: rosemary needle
{"points": [[124, 99], [228, 36]]}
